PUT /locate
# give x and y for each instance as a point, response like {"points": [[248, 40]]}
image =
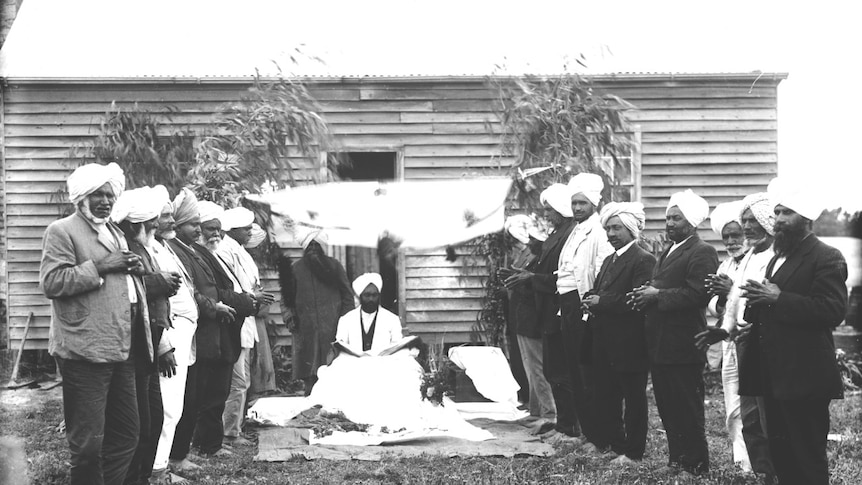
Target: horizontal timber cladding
{"points": [[715, 134]]}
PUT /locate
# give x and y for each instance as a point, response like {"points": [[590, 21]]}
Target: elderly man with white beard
{"points": [[236, 223], [218, 333], [178, 338], [98, 326], [750, 442], [136, 213]]}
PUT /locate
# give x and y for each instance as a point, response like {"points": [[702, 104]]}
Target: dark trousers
{"points": [[580, 374], [623, 429], [207, 389], [797, 439], [754, 434], [557, 374], [101, 412], [151, 417], [679, 393]]}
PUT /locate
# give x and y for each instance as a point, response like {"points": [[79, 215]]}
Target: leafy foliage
{"points": [[259, 143], [140, 142], [560, 124], [491, 319]]}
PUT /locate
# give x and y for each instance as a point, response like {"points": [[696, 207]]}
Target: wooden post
{"points": [[13, 378]]}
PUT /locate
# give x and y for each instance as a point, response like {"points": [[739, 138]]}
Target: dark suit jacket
{"points": [[679, 314], [793, 337], [544, 280], [215, 340], [158, 290], [619, 339]]}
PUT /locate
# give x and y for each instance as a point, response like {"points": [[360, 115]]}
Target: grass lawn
{"points": [[48, 455]]}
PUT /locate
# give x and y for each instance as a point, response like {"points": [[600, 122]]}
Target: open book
{"points": [[405, 342]]}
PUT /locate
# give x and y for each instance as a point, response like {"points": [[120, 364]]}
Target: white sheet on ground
{"points": [[490, 372], [379, 391]]}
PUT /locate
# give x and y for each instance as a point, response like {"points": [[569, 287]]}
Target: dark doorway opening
{"points": [[368, 166]]}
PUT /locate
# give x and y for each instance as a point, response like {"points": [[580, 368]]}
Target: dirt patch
{"points": [[28, 400]]}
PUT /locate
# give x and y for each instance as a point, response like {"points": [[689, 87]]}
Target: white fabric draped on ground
{"points": [[378, 391]]}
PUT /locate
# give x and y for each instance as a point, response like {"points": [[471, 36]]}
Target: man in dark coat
{"points": [[675, 305], [221, 312], [790, 354], [318, 292], [137, 212], [619, 350], [543, 279]]}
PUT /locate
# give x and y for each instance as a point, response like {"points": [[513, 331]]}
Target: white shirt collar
{"points": [[625, 248], [676, 245]]}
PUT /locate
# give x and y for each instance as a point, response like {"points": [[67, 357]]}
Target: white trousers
{"points": [[732, 404], [234, 406], [173, 396]]}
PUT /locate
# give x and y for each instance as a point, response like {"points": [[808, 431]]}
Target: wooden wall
{"points": [[714, 134]]}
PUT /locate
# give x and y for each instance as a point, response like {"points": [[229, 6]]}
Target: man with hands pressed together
{"points": [[619, 351], [136, 213], [99, 326], [556, 200], [674, 304], [790, 359]]}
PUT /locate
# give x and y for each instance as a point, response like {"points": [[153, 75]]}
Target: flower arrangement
{"points": [[436, 382]]}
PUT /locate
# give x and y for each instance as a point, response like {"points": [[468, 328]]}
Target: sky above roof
{"points": [[815, 43]]}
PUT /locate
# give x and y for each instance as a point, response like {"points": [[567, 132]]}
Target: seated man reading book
{"points": [[369, 329], [373, 380]]}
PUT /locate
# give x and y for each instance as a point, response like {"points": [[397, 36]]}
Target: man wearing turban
{"points": [[724, 221], [580, 260], [674, 303], [222, 307], [237, 223], [542, 278], [136, 212], [523, 316], [789, 359], [179, 337], [618, 344], [745, 422], [315, 294], [98, 325], [368, 328]]}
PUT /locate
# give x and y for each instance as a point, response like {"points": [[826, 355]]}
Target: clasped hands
{"points": [[120, 262], [642, 297], [514, 276]]}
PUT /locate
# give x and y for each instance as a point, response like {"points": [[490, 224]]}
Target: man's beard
{"points": [[85, 211], [323, 268], [167, 235], [369, 307], [213, 243], [146, 238], [739, 252], [787, 238]]}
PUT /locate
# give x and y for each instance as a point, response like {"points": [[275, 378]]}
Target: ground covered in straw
{"points": [[36, 420]]}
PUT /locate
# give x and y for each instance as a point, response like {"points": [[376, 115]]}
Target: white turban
{"points": [[795, 198], [139, 205], [631, 214], [693, 207], [318, 236], [724, 214], [236, 218], [763, 210], [523, 227], [257, 236], [559, 197], [362, 282], [589, 184], [87, 178], [185, 207], [209, 211]]}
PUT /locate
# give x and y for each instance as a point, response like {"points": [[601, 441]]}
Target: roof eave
{"points": [[654, 77]]}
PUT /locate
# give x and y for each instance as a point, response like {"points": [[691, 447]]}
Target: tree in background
{"points": [[553, 127]]}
